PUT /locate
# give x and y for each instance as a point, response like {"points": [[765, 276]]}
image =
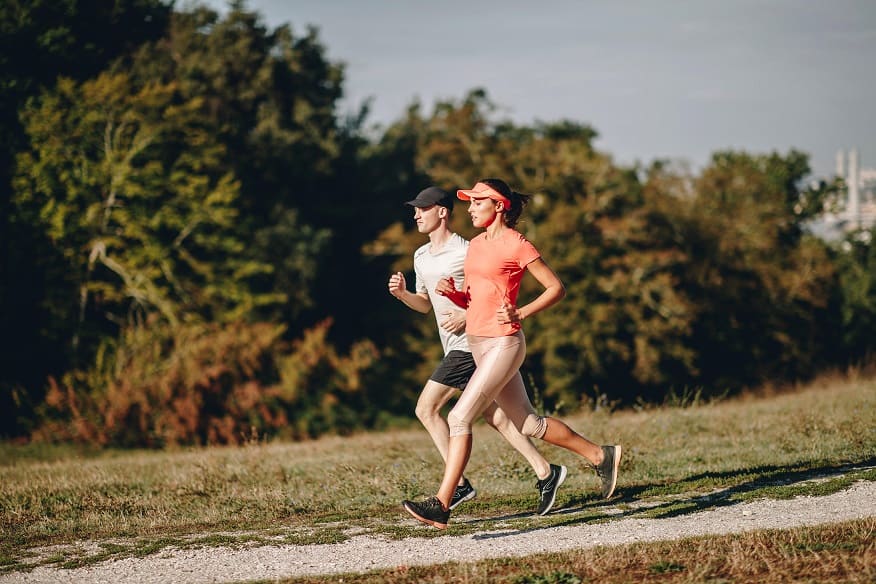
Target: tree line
{"points": [[196, 241]]}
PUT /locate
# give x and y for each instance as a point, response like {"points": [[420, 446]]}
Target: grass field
{"points": [[133, 503]]}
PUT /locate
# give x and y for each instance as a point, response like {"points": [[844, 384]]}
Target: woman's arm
{"points": [[553, 293], [446, 287]]}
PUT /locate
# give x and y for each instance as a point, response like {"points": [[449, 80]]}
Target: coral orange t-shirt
{"points": [[493, 271]]}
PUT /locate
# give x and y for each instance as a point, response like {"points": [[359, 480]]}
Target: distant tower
{"points": [[854, 206], [841, 163]]}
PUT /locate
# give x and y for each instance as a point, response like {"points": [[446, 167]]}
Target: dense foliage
{"points": [[196, 240]]}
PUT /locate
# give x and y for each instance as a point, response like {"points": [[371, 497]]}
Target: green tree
{"points": [[40, 40], [622, 326], [856, 266], [763, 287], [269, 97], [673, 280], [134, 200]]}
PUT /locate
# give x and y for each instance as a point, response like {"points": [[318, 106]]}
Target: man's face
{"points": [[429, 218]]}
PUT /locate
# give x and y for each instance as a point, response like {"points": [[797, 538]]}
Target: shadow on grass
{"points": [[745, 480]]}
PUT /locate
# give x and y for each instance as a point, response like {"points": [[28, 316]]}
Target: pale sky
{"points": [[656, 79]]}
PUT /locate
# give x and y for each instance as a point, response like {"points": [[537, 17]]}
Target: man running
{"points": [[444, 256]]}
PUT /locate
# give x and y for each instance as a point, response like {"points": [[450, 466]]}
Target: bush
{"points": [[203, 384]]}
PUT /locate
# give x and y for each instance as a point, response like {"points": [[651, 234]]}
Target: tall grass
{"points": [[313, 491]]}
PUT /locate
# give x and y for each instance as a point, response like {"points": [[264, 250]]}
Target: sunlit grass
{"points": [[315, 492]]}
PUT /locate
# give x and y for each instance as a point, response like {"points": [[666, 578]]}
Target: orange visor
{"points": [[483, 191]]}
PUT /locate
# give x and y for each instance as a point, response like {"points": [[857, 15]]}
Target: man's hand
{"points": [[397, 284], [453, 321]]}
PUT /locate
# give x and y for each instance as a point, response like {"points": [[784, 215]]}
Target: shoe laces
{"points": [[433, 503], [540, 484]]}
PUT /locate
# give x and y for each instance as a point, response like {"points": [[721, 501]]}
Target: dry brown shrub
{"points": [[206, 383]]}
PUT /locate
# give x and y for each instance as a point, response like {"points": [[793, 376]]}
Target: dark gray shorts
{"points": [[454, 370]]}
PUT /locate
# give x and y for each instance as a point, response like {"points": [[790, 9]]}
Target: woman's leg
{"points": [[496, 417], [497, 361], [515, 403], [560, 434], [458, 454]]}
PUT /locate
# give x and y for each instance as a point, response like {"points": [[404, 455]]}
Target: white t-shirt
{"points": [[429, 268]]}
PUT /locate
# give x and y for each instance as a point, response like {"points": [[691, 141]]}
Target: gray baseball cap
{"points": [[432, 196]]}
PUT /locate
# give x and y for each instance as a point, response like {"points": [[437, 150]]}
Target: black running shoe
{"points": [[431, 512], [463, 493], [547, 488], [607, 470]]}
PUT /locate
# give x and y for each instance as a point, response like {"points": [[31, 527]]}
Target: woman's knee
{"points": [[534, 426], [496, 418], [458, 424]]}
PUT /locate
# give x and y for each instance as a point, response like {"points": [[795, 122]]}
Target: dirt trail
{"points": [[363, 553]]}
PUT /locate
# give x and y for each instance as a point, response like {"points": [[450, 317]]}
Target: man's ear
{"points": [[442, 212]]}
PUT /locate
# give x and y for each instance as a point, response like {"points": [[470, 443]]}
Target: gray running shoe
{"points": [[463, 493], [547, 488], [607, 470], [431, 512]]}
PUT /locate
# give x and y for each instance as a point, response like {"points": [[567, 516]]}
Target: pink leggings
{"points": [[497, 378]]}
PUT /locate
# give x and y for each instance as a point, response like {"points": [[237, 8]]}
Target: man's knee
{"points": [[431, 400], [427, 410], [534, 425]]}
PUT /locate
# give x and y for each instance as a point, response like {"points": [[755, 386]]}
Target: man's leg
{"points": [[432, 399]]}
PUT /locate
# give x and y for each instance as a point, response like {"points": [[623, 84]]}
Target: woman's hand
{"points": [[508, 314], [446, 286]]}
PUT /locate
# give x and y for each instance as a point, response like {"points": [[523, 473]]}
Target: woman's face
{"points": [[482, 211]]}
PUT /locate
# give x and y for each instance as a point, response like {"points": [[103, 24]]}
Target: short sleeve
{"points": [[526, 253], [419, 284], [419, 280]]}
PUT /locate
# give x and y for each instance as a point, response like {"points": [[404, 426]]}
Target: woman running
{"points": [[494, 267]]}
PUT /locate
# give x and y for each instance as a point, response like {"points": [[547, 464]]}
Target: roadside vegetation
{"points": [[844, 552], [69, 507]]}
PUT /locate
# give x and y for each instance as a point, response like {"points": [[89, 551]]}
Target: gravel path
{"points": [[362, 553]]}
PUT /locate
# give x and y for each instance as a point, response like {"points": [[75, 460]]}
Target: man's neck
{"points": [[439, 237]]}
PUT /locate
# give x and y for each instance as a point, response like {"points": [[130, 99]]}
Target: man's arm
{"points": [[398, 288]]}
